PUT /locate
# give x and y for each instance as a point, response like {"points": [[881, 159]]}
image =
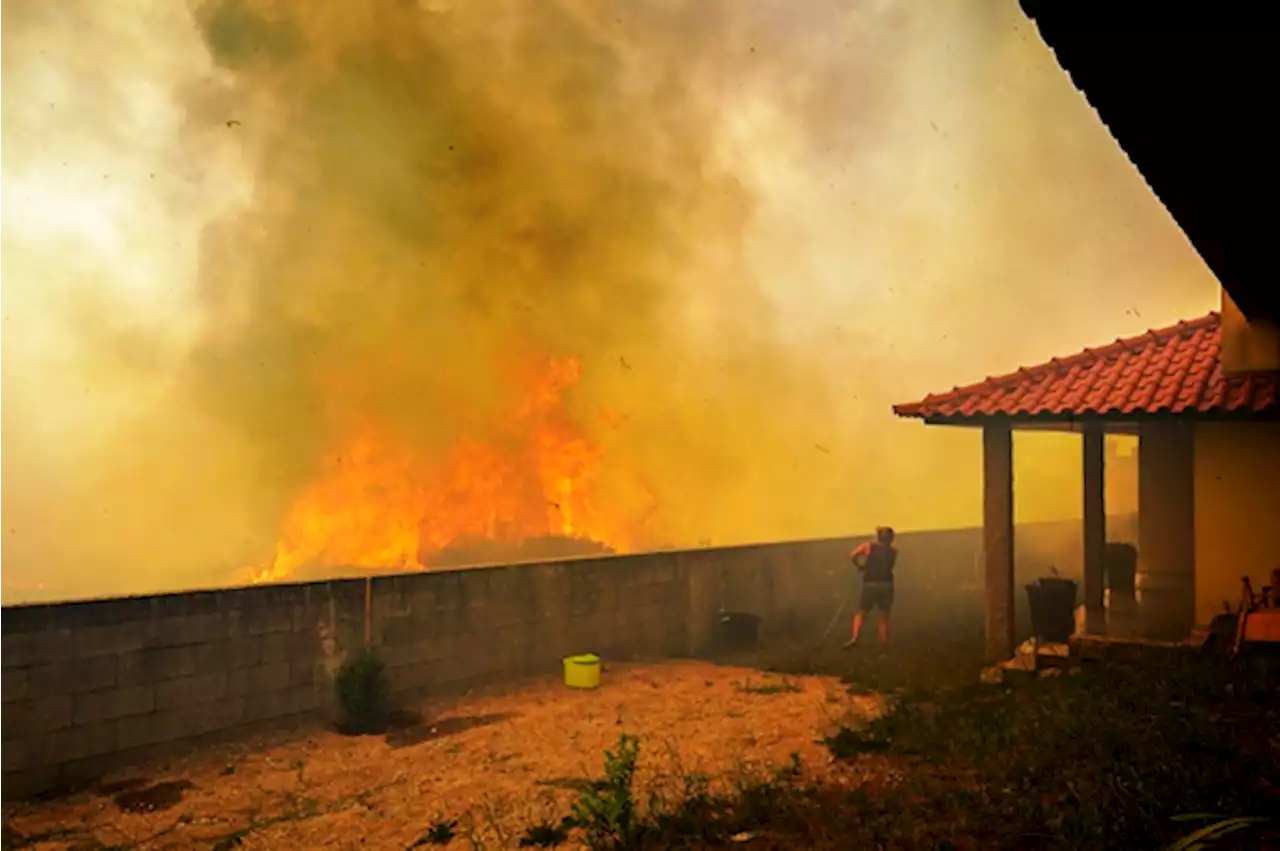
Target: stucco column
{"points": [[1095, 529], [997, 539], [1165, 581]]}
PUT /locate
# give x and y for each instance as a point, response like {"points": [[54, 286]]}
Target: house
{"points": [[1178, 89]]}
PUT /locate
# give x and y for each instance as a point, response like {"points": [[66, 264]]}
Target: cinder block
{"points": [[412, 678], [79, 742], [398, 629], [191, 629], [114, 638], [414, 654], [158, 664], [69, 677], [406, 595], [15, 685], [113, 703], [185, 691], [420, 599], [264, 621], [136, 731], [244, 652], [302, 673], [179, 723], [189, 604], [203, 718], [19, 755], [37, 648], [454, 670], [452, 592], [304, 699], [20, 784], [281, 703], [35, 717], [608, 599], [259, 678], [288, 647], [137, 668]]}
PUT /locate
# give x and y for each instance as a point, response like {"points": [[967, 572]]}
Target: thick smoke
{"points": [[757, 225]]}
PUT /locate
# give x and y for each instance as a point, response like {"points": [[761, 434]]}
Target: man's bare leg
{"points": [[882, 627], [857, 629]]}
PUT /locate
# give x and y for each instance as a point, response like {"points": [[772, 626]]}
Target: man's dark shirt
{"points": [[880, 562]]}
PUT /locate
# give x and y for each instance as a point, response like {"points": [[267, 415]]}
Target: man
{"points": [[875, 561]]}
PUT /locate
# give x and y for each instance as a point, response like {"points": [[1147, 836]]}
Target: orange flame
{"points": [[378, 503]]}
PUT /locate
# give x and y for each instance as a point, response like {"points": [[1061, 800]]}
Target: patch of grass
{"points": [[609, 818], [1105, 758]]}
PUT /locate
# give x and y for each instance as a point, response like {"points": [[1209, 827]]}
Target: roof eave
{"points": [[1073, 421]]}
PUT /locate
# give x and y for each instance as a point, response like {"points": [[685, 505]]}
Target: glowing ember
{"points": [[379, 504]]}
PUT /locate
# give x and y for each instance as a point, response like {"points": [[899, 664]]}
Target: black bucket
{"points": [[1052, 602], [737, 632], [1120, 564]]}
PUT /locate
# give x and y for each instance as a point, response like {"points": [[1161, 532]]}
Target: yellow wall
{"points": [[1247, 346], [1237, 510]]}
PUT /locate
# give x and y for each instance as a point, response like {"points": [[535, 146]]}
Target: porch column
{"points": [[1166, 529], [1095, 529], [997, 539]]}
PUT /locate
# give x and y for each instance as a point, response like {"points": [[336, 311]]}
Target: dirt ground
{"points": [[496, 762]]}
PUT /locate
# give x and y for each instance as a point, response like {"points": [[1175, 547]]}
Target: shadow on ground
{"points": [[439, 728], [932, 649]]}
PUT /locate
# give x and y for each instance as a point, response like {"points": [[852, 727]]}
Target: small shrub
{"points": [[363, 693], [608, 814]]}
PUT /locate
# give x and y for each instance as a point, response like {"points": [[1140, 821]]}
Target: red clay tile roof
{"points": [[1169, 370]]}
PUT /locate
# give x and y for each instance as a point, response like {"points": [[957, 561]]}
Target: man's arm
{"points": [[862, 550]]}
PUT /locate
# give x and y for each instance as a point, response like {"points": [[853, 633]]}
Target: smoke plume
{"points": [[235, 231]]}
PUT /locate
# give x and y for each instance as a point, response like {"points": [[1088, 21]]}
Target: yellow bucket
{"points": [[582, 671]]}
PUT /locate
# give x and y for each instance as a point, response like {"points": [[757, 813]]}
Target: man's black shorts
{"points": [[877, 595]]}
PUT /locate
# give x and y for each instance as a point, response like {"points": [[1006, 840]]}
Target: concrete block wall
{"points": [[90, 686], [94, 685], [449, 630]]}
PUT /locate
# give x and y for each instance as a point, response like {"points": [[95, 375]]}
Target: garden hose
{"points": [[844, 603]]}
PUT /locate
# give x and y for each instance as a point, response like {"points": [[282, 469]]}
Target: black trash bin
{"points": [[1121, 566], [1052, 601], [737, 632]]}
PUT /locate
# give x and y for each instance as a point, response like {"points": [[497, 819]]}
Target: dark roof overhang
{"points": [[1183, 89]]}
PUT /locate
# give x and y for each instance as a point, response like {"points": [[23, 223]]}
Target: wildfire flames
{"points": [[379, 503]]}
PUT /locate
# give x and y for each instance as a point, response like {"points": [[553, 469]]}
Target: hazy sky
{"points": [[239, 234]]}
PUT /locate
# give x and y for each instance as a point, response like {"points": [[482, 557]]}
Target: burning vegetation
{"points": [[378, 502]]}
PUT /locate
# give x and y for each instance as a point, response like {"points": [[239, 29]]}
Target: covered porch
{"points": [[1154, 386], [1165, 578]]}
